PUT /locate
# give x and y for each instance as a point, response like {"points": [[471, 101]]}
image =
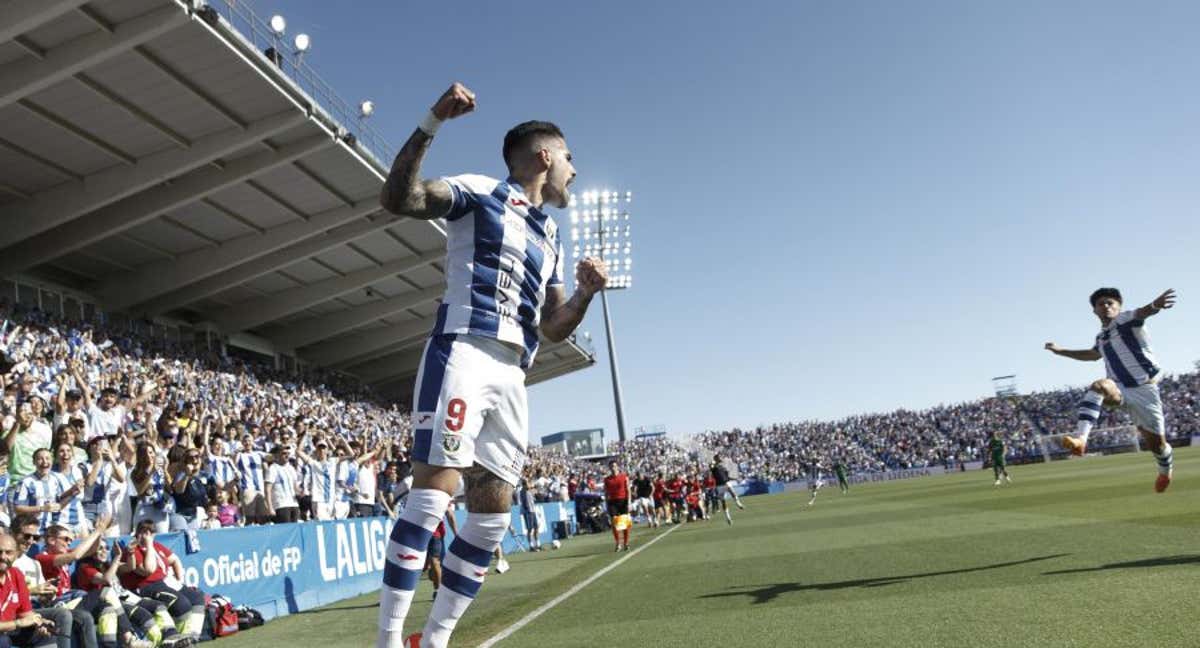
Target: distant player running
{"points": [[504, 291], [1133, 375], [996, 448], [616, 500], [839, 469], [815, 481]]}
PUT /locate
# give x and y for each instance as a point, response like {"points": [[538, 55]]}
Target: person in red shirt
{"points": [[154, 572], [95, 572], [111, 620], [616, 496], [19, 624], [675, 494], [694, 503], [660, 499]]}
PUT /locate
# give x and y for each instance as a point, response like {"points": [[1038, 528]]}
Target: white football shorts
{"points": [[470, 406], [1145, 407]]}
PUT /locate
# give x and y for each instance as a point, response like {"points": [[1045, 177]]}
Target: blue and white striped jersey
{"points": [[321, 480], [221, 469], [282, 478], [72, 513], [250, 467], [347, 479], [36, 491], [501, 253], [1126, 350], [98, 499]]}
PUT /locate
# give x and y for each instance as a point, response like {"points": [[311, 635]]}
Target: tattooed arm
{"points": [[405, 193]]}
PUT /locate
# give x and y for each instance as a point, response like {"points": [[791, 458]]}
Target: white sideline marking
{"points": [[528, 618]]}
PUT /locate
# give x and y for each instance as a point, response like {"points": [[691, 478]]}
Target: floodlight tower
{"points": [[600, 228]]}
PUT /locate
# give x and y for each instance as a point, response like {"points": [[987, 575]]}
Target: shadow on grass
{"points": [[1161, 561], [770, 592]]}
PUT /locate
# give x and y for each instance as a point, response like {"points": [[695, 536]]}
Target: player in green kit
{"points": [[996, 447], [839, 469]]}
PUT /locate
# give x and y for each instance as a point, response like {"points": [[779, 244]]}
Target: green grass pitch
{"points": [[1076, 553]]}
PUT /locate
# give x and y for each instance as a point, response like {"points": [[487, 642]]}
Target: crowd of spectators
{"points": [[141, 427]]}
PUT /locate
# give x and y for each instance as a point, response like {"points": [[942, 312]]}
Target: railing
{"points": [[258, 33]]}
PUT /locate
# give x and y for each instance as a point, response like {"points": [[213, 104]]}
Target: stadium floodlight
{"points": [[366, 108], [278, 25], [302, 42], [600, 228]]}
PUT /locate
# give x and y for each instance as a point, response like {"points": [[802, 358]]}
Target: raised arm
{"points": [[1086, 355], [405, 193], [1163, 301], [560, 315]]}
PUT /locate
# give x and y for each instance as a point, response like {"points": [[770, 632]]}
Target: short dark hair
{"points": [[24, 520], [522, 133], [144, 526], [1101, 293]]}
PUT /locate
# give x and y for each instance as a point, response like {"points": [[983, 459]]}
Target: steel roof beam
{"points": [[303, 333], [243, 316], [389, 368], [70, 201], [182, 294], [23, 78], [348, 348], [139, 208], [160, 277], [23, 16]]}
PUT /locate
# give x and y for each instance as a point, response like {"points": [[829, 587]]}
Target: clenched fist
{"points": [[455, 102], [591, 275]]}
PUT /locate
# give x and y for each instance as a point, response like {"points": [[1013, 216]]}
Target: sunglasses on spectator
{"points": [[29, 536]]}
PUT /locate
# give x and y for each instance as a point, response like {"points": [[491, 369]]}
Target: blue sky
{"points": [[839, 207]]}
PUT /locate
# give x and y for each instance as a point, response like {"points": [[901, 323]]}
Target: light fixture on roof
{"points": [[278, 25], [366, 108], [302, 42]]}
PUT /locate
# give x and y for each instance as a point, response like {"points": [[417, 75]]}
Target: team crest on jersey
{"points": [[451, 443]]}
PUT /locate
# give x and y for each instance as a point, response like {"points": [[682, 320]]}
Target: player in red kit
{"points": [[616, 496], [660, 499]]}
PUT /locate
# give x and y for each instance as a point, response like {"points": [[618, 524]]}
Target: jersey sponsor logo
{"points": [[424, 418], [517, 202]]}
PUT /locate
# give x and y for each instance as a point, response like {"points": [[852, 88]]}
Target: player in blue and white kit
{"points": [[504, 287], [1133, 375]]}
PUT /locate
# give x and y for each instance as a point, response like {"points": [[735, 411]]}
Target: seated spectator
{"points": [[19, 624], [154, 572]]}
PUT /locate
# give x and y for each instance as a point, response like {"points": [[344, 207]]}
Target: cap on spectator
{"points": [[73, 394]]}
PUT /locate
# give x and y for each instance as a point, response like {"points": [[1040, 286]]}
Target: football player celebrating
{"points": [[504, 291], [1133, 375]]}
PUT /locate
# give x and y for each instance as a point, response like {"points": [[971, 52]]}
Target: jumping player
{"points": [[1133, 375], [996, 447], [616, 498], [504, 289], [724, 486]]}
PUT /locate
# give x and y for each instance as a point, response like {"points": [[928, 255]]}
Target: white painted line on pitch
{"points": [[528, 618]]}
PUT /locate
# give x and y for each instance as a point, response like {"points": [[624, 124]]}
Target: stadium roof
{"points": [[173, 158]]}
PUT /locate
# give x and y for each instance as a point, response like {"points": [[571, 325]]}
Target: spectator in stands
{"points": [[95, 572], [150, 487], [281, 484], [19, 624], [190, 489], [43, 592], [154, 572], [103, 482], [25, 437], [71, 515], [43, 493]]}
